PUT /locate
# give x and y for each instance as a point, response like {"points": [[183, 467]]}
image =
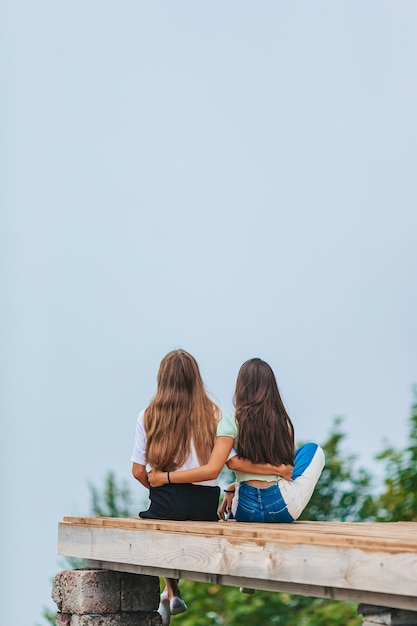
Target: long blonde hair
{"points": [[180, 412]]}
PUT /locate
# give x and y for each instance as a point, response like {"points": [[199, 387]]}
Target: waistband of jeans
{"points": [[258, 489]]}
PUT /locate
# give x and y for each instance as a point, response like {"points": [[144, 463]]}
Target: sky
{"points": [[236, 179]]}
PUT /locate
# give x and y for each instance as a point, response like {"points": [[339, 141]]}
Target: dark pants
{"points": [[183, 502]]}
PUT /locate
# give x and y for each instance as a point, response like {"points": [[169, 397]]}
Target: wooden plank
{"points": [[391, 542], [387, 529], [391, 537], [291, 556]]}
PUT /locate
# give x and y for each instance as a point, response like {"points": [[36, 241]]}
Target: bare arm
{"points": [[226, 505], [209, 471], [139, 472], [266, 469]]}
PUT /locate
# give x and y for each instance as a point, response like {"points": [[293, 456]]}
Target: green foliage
{"points": [[226, 606], [49, 616], [342, 493], [398, 502], [113, 501]]}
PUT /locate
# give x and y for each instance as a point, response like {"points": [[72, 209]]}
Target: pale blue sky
{"points": [[237, 179]]}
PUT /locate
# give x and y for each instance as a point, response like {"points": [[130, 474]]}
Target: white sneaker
{"points": [[164, 610], [177, 605]]}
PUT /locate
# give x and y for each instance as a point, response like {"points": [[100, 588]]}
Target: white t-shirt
{"points": [[139, 452]]}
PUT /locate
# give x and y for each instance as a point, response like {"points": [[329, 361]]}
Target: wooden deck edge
{"points": [[393, 537], [316, 591]]}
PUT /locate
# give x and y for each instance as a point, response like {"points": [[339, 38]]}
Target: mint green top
{"points": [[228, 428]]}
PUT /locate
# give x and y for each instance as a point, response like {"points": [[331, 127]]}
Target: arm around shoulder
{"points": [[209, 471], [265, 469]]}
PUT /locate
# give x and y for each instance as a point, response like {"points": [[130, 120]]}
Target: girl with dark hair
{"points": [[262, 432], [174, 434]]}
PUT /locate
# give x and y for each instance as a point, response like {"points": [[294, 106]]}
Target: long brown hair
{"points": [[265, 431], [180, 413]]}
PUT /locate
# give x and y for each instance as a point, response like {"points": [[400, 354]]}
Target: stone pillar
{"points": [[383, 616], [106, 598]]}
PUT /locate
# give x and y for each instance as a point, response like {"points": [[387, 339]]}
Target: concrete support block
{"points": [[383, 616], [118, 619], [63, 619], [106, 598], [87, 591], [138, 592]]}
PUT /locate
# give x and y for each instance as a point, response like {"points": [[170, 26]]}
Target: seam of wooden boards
{"points": [[393, 537]]}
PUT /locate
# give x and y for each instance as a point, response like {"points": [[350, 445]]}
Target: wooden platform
{"points": [[372, 563]]}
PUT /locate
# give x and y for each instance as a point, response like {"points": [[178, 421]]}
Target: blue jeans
{"points": [[284, 500]]}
